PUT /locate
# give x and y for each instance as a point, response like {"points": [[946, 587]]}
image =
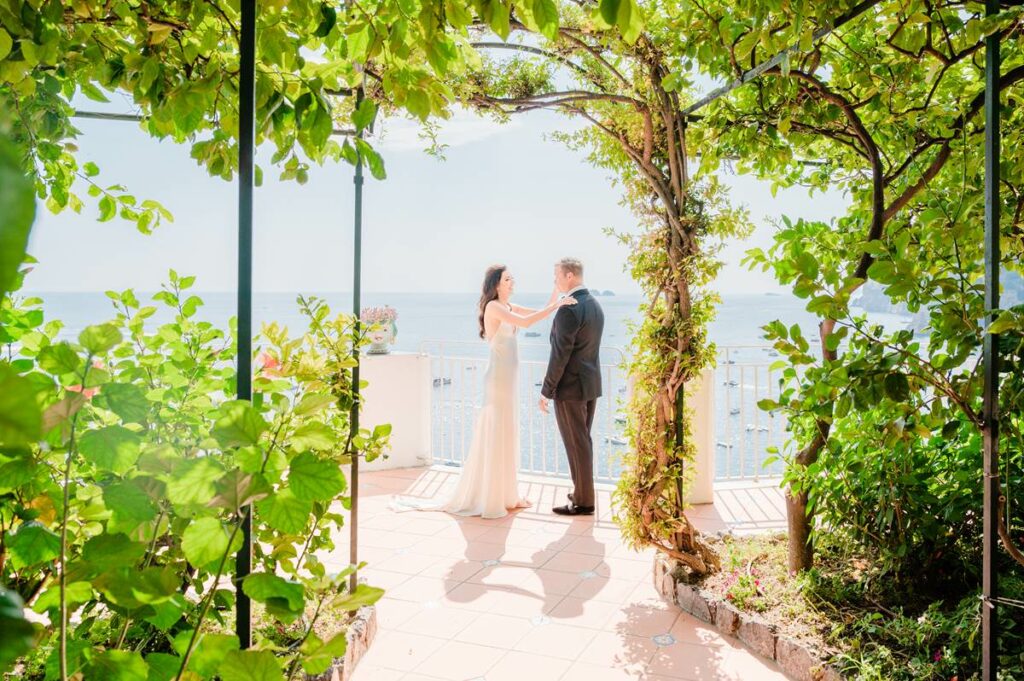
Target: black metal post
{"points": [[357, 286], [246, 153], [990, 409]]}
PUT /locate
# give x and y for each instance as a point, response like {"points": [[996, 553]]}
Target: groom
{"points": [[573, 381]]}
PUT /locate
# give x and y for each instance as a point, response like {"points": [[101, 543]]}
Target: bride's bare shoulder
{"points": [[495, 307]]}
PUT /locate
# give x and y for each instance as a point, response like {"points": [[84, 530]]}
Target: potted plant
{"points": [[383, 330]]}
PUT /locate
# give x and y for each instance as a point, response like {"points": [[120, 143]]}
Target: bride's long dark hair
{"points": [[490, 292]]}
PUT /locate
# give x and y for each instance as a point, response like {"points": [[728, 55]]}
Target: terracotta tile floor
{"points": [[534, 596]]}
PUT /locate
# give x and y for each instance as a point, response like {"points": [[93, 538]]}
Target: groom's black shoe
{"points": [[572, 509]]}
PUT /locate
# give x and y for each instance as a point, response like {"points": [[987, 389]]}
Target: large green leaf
{"points": [[32, 544], [284, 512], [126, 400], [165, 615], [16, 473], [17, 210], [204, 541], [250, 665], [320, 659], [130, 588], [194, 481], [6, 43], [363, 595], [17, 635], [315, 479], [313, 435], [311, 403], [129, 507], [112, 448], [162, 666], [209, 652], [239, 425], [897, 388], [364, 114], [59, 358], [545, 13], [20, 416], [79, 653], [118, 665], [238, 489], [283, 599], [106, 551], [100, 338], [75, 594]]}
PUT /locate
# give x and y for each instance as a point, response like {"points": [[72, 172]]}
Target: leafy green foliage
{"points": [[17, 211], [178, 65], [127, 439]]}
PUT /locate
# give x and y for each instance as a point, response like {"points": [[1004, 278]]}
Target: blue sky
{"points": [[503, 194]]}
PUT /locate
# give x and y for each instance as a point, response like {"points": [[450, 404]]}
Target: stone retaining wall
{"points": [[360, 635], [796, 660]]}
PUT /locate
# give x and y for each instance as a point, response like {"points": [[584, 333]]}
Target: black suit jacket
{"points": [[574, 369]]}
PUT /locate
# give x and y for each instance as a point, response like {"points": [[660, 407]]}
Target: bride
{"points": [[488, 485]]}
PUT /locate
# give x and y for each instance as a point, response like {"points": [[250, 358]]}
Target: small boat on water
{"points": [[732, 384], [735, 411], [438, 382], [532, 334], [615, 440], [724, 445]]}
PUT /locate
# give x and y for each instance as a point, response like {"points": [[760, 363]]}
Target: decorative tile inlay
{"points": [[491, 562], [588, 574], [540, 620], [662, 640]]}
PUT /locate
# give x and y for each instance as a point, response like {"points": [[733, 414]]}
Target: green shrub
{"points": [[126, 467]]}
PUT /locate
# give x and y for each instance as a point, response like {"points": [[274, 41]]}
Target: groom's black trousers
{"points": [[575, 419]]}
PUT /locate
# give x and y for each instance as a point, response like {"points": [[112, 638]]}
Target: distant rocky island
{"points": [[599, 292], [872, 298]]}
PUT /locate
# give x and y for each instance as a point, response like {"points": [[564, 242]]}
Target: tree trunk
{"points": [[801, 550], [801, 545]]}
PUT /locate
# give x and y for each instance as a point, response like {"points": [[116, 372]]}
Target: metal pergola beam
{"points": [[138, 118], [990, 358], [246, 157], [357, 292]]}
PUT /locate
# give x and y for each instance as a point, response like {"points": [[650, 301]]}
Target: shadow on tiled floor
{"points": [[530, 597]]}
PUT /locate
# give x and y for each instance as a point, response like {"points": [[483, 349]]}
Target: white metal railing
{"points": [[457, 370], [743, 432]]}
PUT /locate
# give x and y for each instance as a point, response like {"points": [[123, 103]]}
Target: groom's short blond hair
{"points": [[573, 265]]}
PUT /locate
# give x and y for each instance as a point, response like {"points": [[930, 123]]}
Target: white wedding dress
{"points": [[488, 485]]}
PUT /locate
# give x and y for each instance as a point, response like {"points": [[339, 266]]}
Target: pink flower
{"points": [[97, 364], [937, 657], [87, 392], [269, 365]]}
